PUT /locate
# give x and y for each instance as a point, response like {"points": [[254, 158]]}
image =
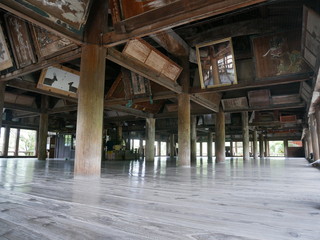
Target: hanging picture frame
{"points": [[216, 63], [19, 36], [60, 79], [5, 59]]}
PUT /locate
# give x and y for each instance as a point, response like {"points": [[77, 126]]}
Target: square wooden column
{"points": [[2, 91], [172, 145], [210, 140], [193, 138], [245, 134], [90, 111], [184, 130], [314, 136], [220, 136], [261, 143], [150, 138], [255, 144], [43, 129]]}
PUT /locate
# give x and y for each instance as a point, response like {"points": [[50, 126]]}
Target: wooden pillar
{"points": [[209, 144], [317, 122], [90, 111], [314, 137], [201, 148], [261, 143], [6, 141], [141, 150], [245, 133], [193, 138], [267, 152], [310, 148], [255, 144], [184, 129], [285, 143], [150, 138], [16, 151], [119, 133], [172, 145], [220, 136], [2, 91], [159, 147], [231, 148], [43, 129]]}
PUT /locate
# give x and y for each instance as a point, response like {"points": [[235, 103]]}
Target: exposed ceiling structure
{"points": [[273, 76]]}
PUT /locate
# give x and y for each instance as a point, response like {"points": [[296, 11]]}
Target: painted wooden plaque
{"points": [[48, 44], [145, 53], [5, 59], [259, 98], [20, 41], [277, 55], [71, 12], [60, 79], [234, 103], [311, 37]]}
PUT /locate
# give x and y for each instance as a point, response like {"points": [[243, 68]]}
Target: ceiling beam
{"points": [[172, 15], [131, 111], [32, 87], [141, 69], [21, 107], [256, 84], [63, 109], [269, 108], [65, 57], [19, 10], [155, 97]]}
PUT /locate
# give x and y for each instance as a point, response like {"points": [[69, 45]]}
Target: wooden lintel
{"points": [[21, 107], [63, 109], [32, 87], [17, 9], [131, 111], [155, 97], [28, 115], [141, 69], [65, 57], [256, 84], [172, 15], [204, 103], [270, 108]]}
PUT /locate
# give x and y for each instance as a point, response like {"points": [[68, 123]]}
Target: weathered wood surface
{"points": [[278, 197], [184, 130]]}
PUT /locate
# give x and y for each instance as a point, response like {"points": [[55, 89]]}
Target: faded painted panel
{"points": [[20, 41], [5, 59], [259, 98], [234, 103], [72, 12]]}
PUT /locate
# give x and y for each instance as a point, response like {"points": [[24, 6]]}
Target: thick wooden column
{"points": [[193, 138], [150, 138], [141, 150], [201, 148], [309, 140], [119, 133], [245, 134], [159, 147], [90, 111], [184, 130], [261, 143], [255, 144], [285, 143], [231, 148], [314, 137], [43, 129], [6, 141], [172, 145], [209, 144], [266, 147], [2, 91], [220, 136], [317, 116], [16, 151]]}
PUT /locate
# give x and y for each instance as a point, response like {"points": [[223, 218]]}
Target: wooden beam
{"points": [[142, 69], [172, 42], [271, 107], [21, 107], [28, 115], [131, 111], [155, 97], [63, 109], [32, 87], [65, 57], [172, 15], [17, 9], [256, 84]]}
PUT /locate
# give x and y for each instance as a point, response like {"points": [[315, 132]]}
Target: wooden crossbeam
{"points": [[65, 57], [141, 69], [21, 107], [171, 15], [130, 111]]}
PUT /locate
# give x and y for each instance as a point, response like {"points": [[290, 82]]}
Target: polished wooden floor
{"points": [[271, 199]]}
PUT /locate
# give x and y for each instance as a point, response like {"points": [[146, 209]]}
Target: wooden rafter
{"points": [[172, 15]]}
